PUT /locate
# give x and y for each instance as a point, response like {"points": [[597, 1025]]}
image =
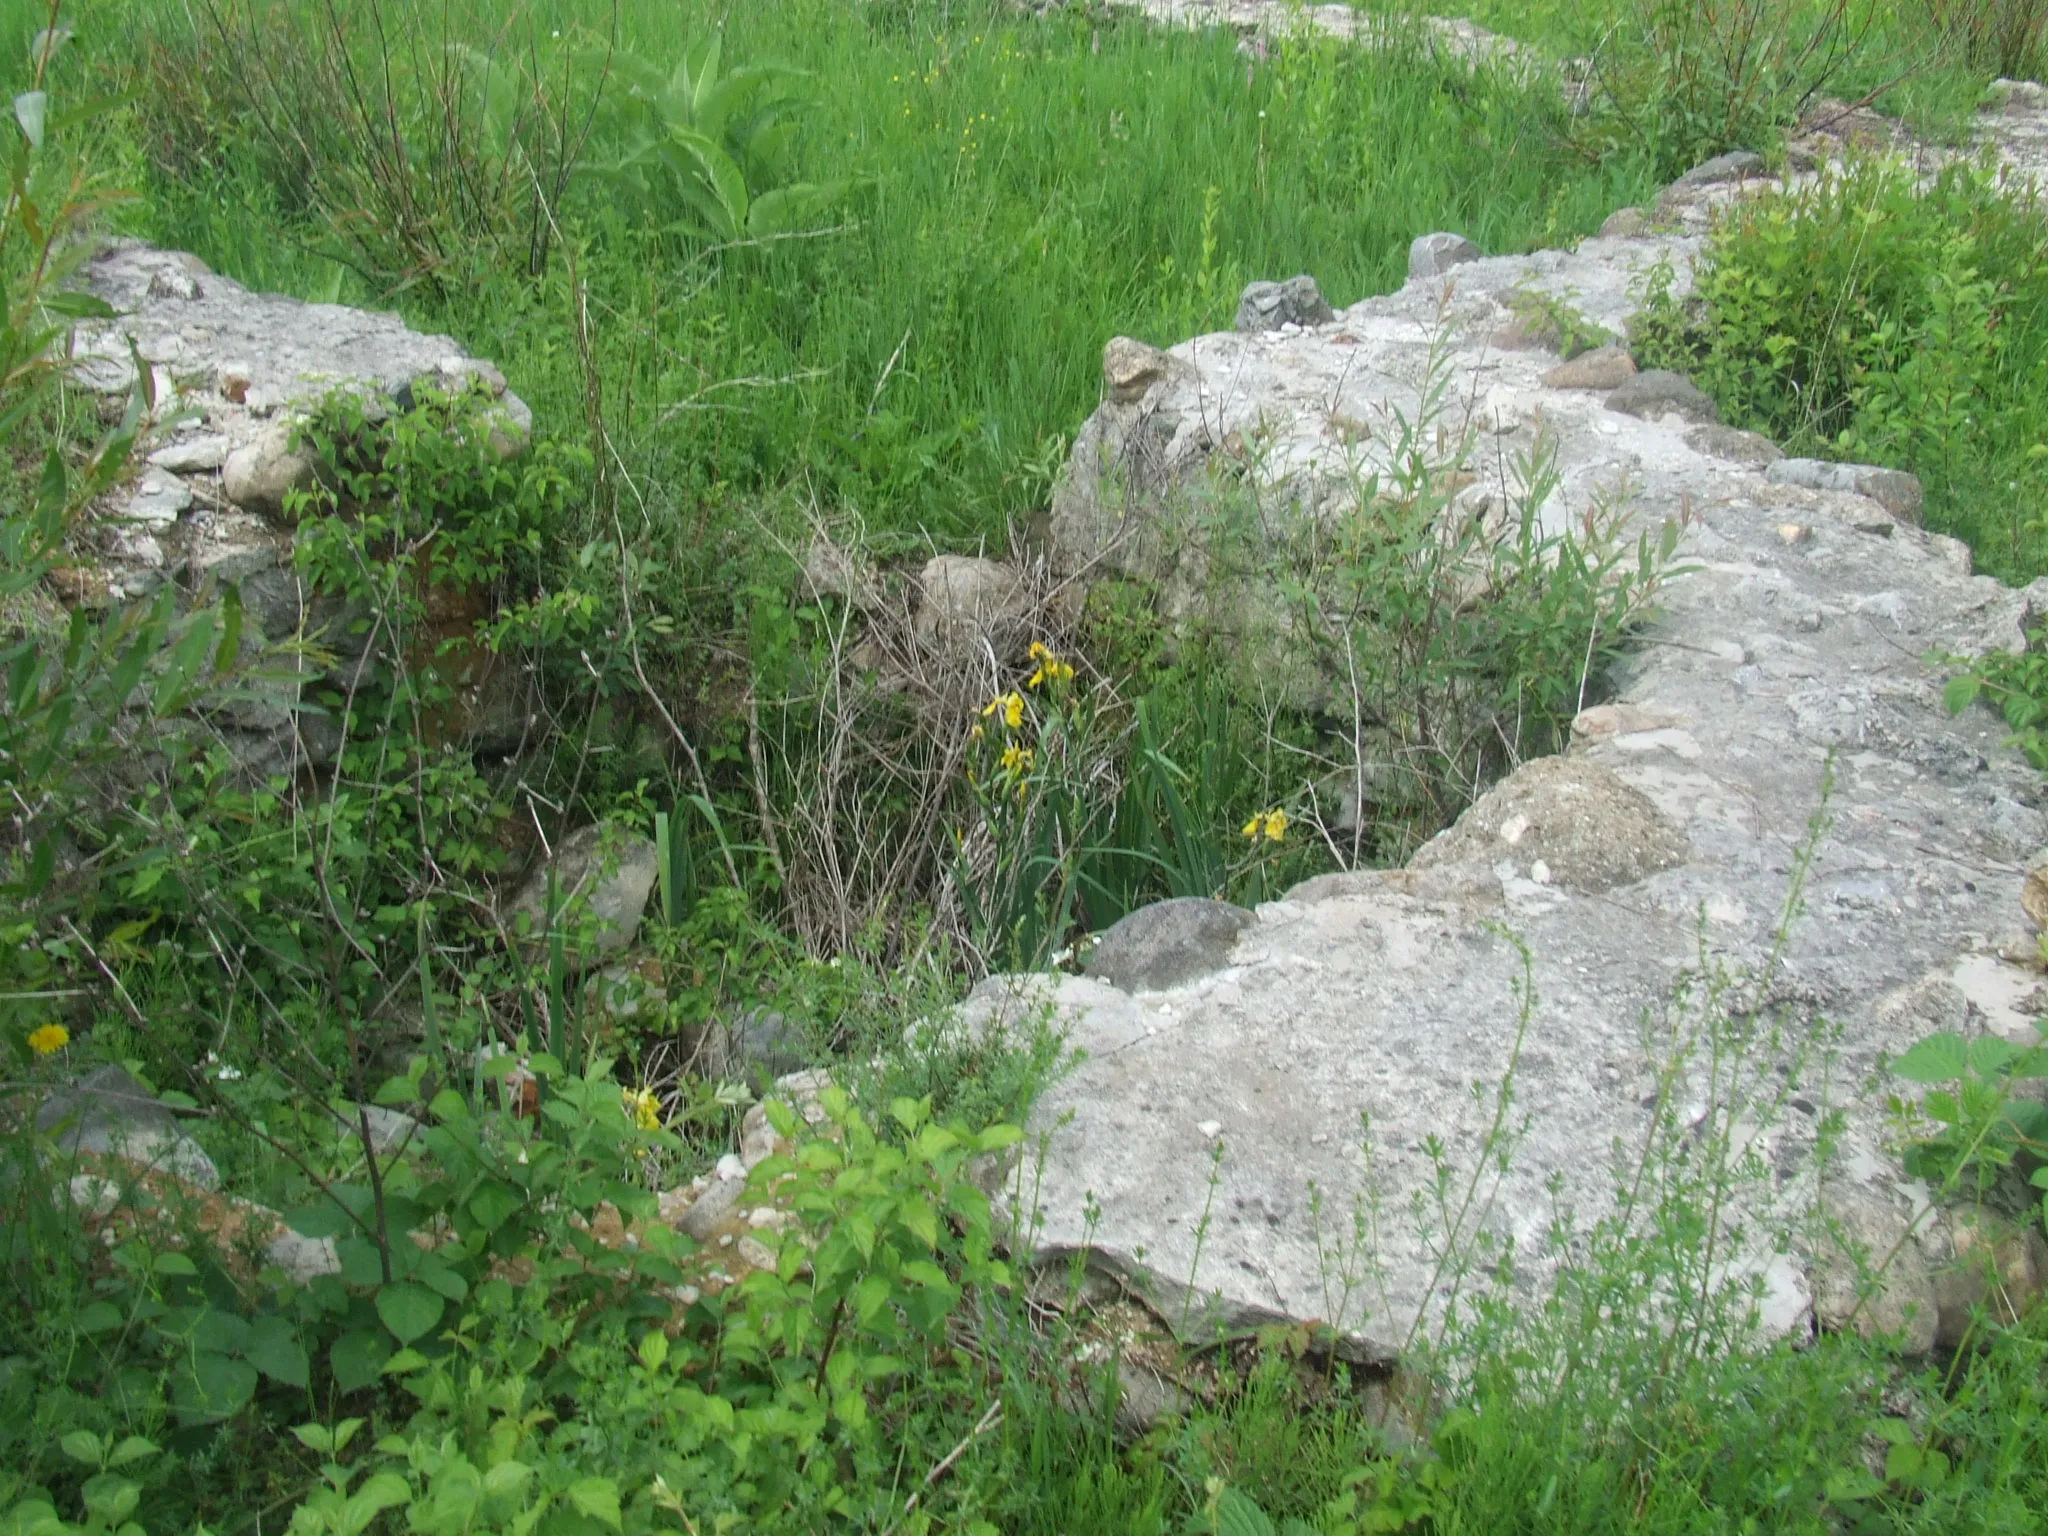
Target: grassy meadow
{"points": [[852, 263], [1016, 191]]}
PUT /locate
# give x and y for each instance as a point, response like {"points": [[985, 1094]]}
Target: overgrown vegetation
{"points": [[1878, 320], [833, 275]]}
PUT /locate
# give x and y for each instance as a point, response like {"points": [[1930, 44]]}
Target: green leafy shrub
{"points": [[1972, 1127], [704, 152], [1687, 79], [1872, 318]]}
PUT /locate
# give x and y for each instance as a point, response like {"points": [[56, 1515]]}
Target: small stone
{"points": [[1269, 306], [192, 455], [260, 475], [1657, 392], [964, 598], [159, 498], [234, 381], [1809, 622], [1603, 368], [1167, 943], [1434, 255], [1719, 442], [1129, 368], [756, 1254], [1794, 533], [731, 1166]]}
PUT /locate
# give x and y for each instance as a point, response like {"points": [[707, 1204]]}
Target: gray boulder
{"points": [[1268, 306], [602, 880], [1167, 944], [107, 1113], [1434, 255]]}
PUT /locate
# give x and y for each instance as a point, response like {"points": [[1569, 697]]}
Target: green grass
{"points": [[1024, 190]]}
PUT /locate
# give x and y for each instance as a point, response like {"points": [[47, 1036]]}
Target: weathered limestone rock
{"points": [[963, 598], [1660, 392], [1129, 368], [1167, 944], [602, 880], [234, 372], [1785, 677], [1565, 821], [107, 1113], [1893, 489], [1434, 255], [1602, 368], [1269, 306]]}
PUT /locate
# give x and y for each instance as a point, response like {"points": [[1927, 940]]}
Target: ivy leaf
{"points": [[409, 1310]]}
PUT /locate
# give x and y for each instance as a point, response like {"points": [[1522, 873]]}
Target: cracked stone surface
{"points": [[1785, 687]]}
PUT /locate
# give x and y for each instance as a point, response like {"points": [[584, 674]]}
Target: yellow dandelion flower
{"points": [[643, 1107], [49, 1039]]}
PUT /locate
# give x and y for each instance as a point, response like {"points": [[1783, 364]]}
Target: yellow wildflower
{"points": [[1008, 706], [643, 1107], [1050, 668], [49, 1039], [1271, 825], [1017, 760]]}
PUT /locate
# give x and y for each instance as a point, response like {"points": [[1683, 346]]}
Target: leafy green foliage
{"points": [[703, 152], [1872, 318], [1971, 1130]]}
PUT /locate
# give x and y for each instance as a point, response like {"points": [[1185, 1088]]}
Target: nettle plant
{"points": [[1973, 1132]]}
